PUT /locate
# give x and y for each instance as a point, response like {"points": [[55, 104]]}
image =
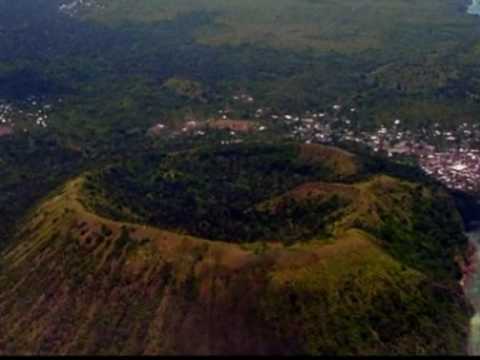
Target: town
{"points": [[74, 7], [452, 156], [25, 116]]}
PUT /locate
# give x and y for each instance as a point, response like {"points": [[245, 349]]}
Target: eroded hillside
{"points": [[95, 271]]}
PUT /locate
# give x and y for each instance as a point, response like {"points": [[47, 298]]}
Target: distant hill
{"points": [[244, 249], [349, 26], [124, 62]]}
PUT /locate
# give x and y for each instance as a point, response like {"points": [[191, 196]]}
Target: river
{"points": [[474, 8]]}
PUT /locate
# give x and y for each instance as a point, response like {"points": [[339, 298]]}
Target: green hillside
{"points": [[347, 27], [113, 63], [95, 270], [155, 198]]}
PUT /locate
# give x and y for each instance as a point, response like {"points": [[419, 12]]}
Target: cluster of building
{"points": [[5, 115], [452, 156], [245, 98], [74, 7], [200, 128], [30, 114], [458, 169], [395, 140]]}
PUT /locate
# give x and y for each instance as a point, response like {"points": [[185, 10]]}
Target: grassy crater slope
{"points": [[373, 272]]}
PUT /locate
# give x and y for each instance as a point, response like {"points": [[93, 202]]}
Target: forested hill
{"points": [[305, 249]]}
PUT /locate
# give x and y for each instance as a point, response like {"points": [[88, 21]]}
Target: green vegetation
{"points": [[214, 193], [333, 261], [189, 89], [345, 27], [436, 228], [134, 62], [284, 193], [163, 243], [362, 303], [31, 167], [314, 258]]}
